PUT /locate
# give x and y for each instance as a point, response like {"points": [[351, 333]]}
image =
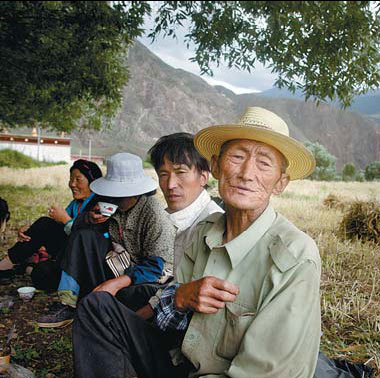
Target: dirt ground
{"points": [[46, 352]]}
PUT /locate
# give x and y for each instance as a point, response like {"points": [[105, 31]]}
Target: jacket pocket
{"points": [[236, 321]]}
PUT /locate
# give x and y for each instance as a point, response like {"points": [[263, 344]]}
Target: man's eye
{"points": [[264, 163]]}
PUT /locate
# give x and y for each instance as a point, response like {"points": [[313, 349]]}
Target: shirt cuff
{"points": [[155, 300], [68, 226]]}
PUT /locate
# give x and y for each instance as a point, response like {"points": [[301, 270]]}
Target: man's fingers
{"points": [[224, 285], [207, 309], [222, 295], [210, 303]]}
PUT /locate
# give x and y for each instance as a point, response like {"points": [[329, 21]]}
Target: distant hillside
{"points": [[368, 104], [160, 99]]}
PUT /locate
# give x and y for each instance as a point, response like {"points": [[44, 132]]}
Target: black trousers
{"points": [[43, 232], [110, 340], [84, 259]]}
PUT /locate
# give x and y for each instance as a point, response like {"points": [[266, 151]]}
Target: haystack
{"points": [[332, 201], [361, 221]]}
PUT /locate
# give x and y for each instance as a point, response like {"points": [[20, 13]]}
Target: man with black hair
{"points": [[183, 175]]}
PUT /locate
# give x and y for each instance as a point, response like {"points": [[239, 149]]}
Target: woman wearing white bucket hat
{"points": [[140, 226]]}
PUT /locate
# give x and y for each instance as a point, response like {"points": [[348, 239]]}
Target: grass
{"points": [[350, 292], [14, 159]]}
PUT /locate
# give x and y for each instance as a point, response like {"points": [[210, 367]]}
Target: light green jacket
{"points": [[272, 330]]}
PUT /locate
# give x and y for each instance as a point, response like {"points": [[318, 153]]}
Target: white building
{"points": [[46, 149]]}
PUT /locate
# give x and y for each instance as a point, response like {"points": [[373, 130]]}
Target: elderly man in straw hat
{"points": [[247, 299]]}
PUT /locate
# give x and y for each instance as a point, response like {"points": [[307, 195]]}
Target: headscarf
{"points": [[88, 169]]}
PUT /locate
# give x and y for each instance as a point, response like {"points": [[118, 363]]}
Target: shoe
{"points": [[59, 316], [6, 276]]}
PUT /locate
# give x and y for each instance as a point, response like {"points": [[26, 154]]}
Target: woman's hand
{"points": [[95, 217], [21, 235], [114, 285], [59, 214]]}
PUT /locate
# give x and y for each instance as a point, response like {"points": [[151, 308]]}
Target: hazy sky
{"points": [[175, 53]]}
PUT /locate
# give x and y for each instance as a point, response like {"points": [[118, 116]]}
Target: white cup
{"points": [[26, 293], [107, 209]]}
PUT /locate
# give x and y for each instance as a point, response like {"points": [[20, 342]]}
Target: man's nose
{"points": [[248, 170], [172, 182]]}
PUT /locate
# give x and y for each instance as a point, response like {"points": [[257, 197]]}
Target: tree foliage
{"points": [[372, 171], [63, 62], [328, 49], [325, 169], [349, 172]]}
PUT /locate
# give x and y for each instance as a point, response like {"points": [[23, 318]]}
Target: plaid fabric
{"points": [[166, 316]]}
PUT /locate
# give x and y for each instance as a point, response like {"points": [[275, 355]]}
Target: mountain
{"points": [[368, 104], [159, 99]]}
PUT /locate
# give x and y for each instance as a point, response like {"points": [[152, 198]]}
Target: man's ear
{"points": [[281, 184], [215, 167], [204, 178]]}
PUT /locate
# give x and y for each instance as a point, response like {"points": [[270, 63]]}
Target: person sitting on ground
{"points": [[47, 236], [183, 176], [5, 215], [247, 299], [140, 226]]}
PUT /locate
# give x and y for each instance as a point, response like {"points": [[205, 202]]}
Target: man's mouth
{"points": [[174, 197], [240, 188]]}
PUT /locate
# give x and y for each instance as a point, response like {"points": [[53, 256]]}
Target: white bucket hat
{"points": [[263, 126], [125, 178]]}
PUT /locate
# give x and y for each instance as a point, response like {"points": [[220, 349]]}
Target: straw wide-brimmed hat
{"points": [[125, 177], [263, 126]]}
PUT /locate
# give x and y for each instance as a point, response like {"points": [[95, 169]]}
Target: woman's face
{"points": [[79, 185]]}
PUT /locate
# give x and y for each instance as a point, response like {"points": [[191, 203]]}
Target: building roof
{"points": [[31, 139]]}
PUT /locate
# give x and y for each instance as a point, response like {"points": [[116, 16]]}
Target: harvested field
{"points": [[350, 292]]}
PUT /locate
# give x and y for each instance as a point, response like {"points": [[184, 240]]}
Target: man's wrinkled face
{"points": [[180, 184], [248, 173]]}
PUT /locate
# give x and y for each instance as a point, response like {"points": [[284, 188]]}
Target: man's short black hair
{"points": [[178, 148]]}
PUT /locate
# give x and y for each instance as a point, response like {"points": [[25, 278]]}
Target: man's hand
{"points": [[59, 214], [95, 217], [21, 236], [145, 312], [114, 285], [207, 295]]}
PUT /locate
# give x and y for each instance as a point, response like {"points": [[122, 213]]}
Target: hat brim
{"points": [[104, 187], [301, 162]]}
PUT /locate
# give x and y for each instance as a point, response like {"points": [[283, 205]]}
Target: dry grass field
{"points": [[350, 290]]}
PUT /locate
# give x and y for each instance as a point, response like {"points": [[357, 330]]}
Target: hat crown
{"points": [[260, 117], [125, 167]]}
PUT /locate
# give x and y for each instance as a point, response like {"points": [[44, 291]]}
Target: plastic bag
{"points": [[327, 368]]}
